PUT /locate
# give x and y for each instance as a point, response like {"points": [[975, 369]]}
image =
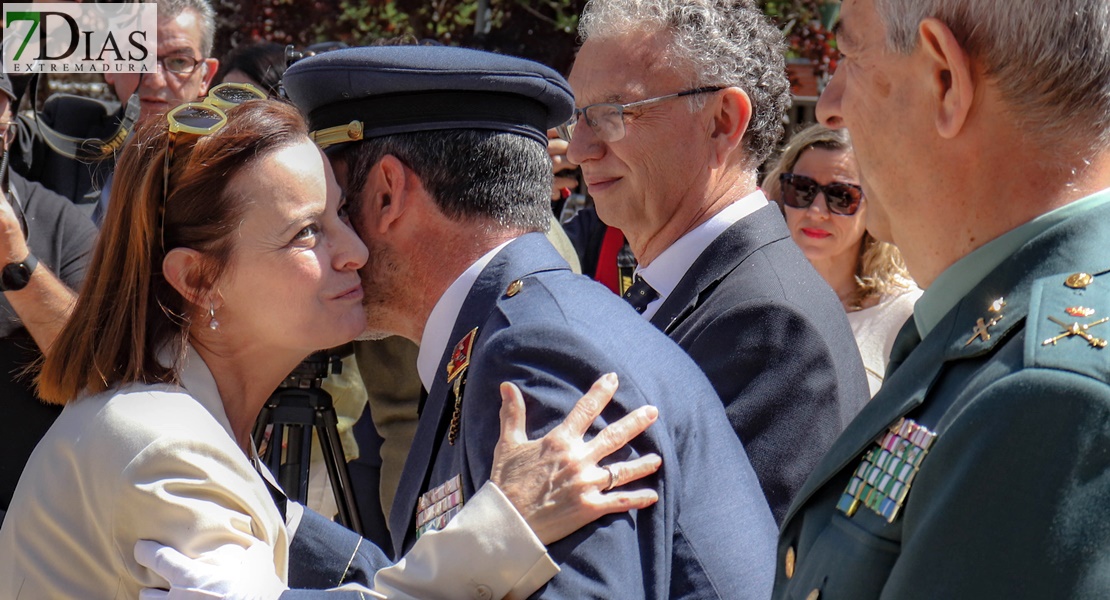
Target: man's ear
{"points": [[182, 269], [389, 186], [951, 80], [732, 112], [212, 66]]}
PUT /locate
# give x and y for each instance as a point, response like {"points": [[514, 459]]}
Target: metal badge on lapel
{"points": [[456, 375], [882, 480], [436, 508], [982, 327], [460, 356]]}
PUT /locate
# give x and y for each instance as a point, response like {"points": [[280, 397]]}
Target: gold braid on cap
{"points": [[351, 132]]}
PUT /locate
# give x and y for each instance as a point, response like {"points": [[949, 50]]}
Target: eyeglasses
{"points": [[200, 118], [607, 119], [799, 191], [180, 64]]}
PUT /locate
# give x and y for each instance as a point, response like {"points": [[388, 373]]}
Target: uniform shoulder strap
{"points": [[1068, 327]]}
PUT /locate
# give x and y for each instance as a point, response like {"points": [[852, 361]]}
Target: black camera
{"points": [[316, 367]]}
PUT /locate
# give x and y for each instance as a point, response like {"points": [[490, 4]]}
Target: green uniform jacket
{"points": [[1013, 498]]}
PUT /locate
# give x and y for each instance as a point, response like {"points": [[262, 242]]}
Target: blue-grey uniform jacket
{"points": [[711, 535], [706, 538]]}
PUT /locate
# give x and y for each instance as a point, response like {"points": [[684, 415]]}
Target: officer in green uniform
{"points": [[982, 467]]}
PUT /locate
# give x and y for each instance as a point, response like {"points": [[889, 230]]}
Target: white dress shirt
{"points": [[443, 316], [664, 273]]}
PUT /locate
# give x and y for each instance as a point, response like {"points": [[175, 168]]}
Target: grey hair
{"points": [[472, 174], [720, 43], [169, 9], [1058, 86]]}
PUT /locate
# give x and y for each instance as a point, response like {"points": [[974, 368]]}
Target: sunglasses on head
{"points": [[201, 118], [799, 191]]}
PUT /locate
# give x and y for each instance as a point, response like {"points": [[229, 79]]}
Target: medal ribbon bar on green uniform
{"points": [[882, 480]]}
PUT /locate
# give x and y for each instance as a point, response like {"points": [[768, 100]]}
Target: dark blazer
{"points": [[1010, 501], [774, 341], [709, 534]]}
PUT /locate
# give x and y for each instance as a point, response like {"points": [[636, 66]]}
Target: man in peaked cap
{"points": [[442, 153]]}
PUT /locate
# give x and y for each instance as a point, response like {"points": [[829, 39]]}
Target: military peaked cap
{"points": [[369, 92]]}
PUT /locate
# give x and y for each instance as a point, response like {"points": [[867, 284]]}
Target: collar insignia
{"points": [[460, 356], [982, 327]]}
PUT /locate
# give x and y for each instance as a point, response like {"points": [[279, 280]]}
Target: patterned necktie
{"points": [[640, 294]]}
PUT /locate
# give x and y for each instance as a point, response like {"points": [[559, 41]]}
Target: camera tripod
{"points": [[296, 409]]}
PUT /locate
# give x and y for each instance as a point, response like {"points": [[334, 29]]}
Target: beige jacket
{"points": [[158, 462]]}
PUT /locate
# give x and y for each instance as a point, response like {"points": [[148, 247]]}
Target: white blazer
{"points": [[159, 462]]}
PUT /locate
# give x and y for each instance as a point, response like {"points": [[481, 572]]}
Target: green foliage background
{"points": [[542, 30]]}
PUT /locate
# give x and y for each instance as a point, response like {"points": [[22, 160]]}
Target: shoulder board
{"points": [[1068, 327]]}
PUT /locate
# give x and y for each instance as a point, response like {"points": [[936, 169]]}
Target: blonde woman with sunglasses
{"points": [[816, 182], [226, 258]]}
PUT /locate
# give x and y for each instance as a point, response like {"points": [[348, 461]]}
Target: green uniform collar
{"points": [[959, 279]]}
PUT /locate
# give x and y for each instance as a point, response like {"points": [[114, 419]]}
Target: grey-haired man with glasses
{"points": [[185, 37], [678, 104]]}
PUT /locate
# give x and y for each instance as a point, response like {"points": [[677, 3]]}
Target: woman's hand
{"points": [[556, 482]]}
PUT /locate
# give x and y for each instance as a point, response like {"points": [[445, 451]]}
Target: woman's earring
{"points": [[213, 324]]}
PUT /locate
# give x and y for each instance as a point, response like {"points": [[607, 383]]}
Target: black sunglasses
{"points": [[799, 191]]}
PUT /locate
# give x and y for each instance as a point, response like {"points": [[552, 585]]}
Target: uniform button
{"points": [[514, 288], [482, 592], [814, 595], [789, 566]]}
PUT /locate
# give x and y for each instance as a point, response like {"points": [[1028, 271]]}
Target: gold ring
{"points": [[612, 477]]}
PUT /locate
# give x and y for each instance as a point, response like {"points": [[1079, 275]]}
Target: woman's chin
{"points": [[340, 332], [356, 325]]}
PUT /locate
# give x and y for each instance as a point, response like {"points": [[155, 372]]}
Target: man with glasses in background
{"points": [[45, 243], [679, 102], [186, 30]]}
